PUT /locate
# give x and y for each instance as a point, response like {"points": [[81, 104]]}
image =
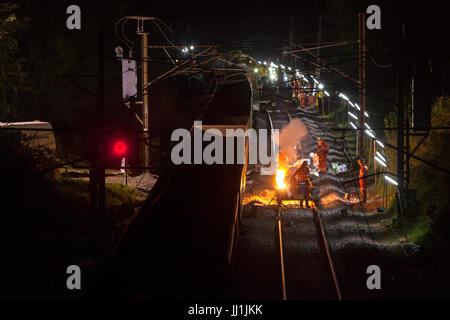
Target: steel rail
{"points": [[328, 251], [280, 237], [280, 232]]}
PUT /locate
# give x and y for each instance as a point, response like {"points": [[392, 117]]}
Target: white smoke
{"points": [[290, 136]]}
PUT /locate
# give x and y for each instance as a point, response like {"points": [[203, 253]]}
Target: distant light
{"points": [[265, 63], [320, 86], [289, 68], [259, 62], [311, 154], [389, 179], [351, 103], [354, 127], [255, 70], [326, 93], [381, 156], [357, 107], [352, 115], [380, 161], [366, 114], [365, 123], [380, 143], [343, 96], [282, 67], [192, 47], [317, 82], [305, 79], [370, 134]]}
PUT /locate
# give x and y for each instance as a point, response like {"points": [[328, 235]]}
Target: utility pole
{"points": [[362, 81], [291, 39], [319, 36], [144, 82], [401, 109]]}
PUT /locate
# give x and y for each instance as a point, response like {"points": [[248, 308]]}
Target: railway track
{"points": [[323, 245], [295, 266], [295, 251]]}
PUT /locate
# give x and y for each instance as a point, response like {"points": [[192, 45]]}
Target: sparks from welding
{"points": [[281, 174]]}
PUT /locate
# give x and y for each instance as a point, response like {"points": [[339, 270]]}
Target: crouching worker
{"points": [[304, 183], [363, 171]]}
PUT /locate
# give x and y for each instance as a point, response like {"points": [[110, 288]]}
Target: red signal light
{"points": [[120, 148]]}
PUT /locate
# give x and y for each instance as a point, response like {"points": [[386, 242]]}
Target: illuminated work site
{"points": [[291, 151]]}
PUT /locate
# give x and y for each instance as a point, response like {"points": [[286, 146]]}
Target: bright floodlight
{"points": [[389, 179], [370, 134], [320, 86], [380, 161], [354, 127], [326, 93], [343, 96], [380, 143], [352, 115], [381, 156], [255, 70]]}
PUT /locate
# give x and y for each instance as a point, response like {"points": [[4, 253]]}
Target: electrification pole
{"points": [[291, 39], [144, 82], [319, 36], [362, 81]]}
